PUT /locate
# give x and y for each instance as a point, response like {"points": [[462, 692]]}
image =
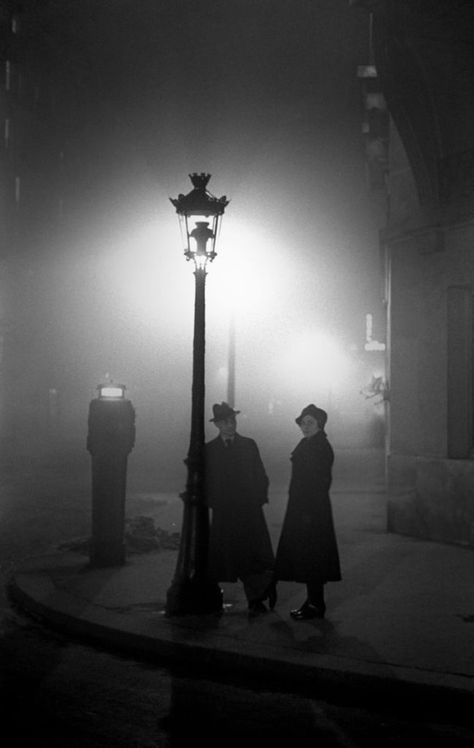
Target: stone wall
{"points": [[431, 379], [431, 498]]}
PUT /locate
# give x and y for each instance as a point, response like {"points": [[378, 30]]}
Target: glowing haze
{"points": [[272, 112]]}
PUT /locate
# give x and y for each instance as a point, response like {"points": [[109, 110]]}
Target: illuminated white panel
{"points": [[111, 391]]}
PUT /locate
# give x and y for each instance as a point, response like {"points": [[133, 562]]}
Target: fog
{"points": [[265, 98]]}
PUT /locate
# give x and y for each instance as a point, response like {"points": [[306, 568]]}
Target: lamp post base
{"points": [[198, 596]]}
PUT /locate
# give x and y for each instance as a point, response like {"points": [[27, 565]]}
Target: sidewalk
{"points": [[399, 625]]}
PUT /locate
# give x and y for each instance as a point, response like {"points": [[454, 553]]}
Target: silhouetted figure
{"points": [[236, 490], [307, 551]]}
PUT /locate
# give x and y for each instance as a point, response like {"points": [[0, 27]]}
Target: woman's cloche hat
{"points": [[223, 411], [318, 414]]}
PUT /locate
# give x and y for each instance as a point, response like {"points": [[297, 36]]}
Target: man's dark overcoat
{"points": [[307, 550], [236, 488]]}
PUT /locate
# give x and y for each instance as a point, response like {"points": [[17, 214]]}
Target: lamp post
{"points": [[191, 591]]}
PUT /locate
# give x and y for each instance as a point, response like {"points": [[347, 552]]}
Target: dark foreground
{"points": [[57, 690]]}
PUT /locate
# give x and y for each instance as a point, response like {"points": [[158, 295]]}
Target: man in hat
{"points": [[236, 490]]}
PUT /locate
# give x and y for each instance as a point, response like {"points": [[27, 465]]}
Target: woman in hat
{"points": [[307, 551]]}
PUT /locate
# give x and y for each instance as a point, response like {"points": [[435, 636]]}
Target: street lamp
{"points": [[191, 591]]}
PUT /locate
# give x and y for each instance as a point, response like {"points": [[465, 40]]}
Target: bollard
{"points": [[111, 437]]}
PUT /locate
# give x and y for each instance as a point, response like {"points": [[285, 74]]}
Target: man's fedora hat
{"points": [[223, 411], [318, 414]]}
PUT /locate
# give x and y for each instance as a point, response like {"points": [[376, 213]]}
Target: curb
{"points": [[180, 645]]}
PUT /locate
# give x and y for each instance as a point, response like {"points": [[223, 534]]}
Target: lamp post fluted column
{"points": [[192, 591]]}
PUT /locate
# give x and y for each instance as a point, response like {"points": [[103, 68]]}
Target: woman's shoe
{"points": [[298, 611], [308, 611]]}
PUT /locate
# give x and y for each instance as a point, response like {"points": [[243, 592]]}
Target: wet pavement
{"points": [[399, 624]]}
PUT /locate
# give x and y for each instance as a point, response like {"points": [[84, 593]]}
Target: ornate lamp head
{"points": [[200, 235]]}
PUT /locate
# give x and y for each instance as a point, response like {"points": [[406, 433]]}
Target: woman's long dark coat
{"points": [[236, 489], [307, 550]]}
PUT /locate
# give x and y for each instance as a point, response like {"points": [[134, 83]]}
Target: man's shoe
{"points": [[257, 609], [308, 611], [271, 595]]}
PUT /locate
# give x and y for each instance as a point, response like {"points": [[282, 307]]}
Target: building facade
{"points": [[424, 63]]}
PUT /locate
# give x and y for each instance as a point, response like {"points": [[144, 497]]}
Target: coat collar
{"points": [[305, 443]]}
